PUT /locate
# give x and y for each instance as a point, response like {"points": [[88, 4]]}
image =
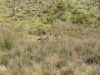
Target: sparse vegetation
{"points": [[76, 52]]}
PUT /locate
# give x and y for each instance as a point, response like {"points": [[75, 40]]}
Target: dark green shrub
{"points": [[8, 42], [30, 32], [19, 28], [60, 64], [4, 61], [80, 18], [93, 59]]}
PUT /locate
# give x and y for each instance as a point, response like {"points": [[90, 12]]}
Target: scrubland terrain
{"points": [[72, 28]]}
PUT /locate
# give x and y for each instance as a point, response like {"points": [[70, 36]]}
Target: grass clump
{"points": [[4, 62], [8, 42], [67, 72]]}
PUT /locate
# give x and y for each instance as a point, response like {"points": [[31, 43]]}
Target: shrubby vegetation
{"points": [[76, 52], [84, 11], [39, 12]]}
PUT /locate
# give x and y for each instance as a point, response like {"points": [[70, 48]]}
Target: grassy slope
{"points": [[76, 53]]}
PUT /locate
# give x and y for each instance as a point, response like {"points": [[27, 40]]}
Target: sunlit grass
{"points": [[77, 52]]}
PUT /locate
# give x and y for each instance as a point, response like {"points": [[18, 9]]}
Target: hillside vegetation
{"points": [[71, 29]]}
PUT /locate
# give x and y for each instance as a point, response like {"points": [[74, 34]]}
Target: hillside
{"points": [[49, 37]]}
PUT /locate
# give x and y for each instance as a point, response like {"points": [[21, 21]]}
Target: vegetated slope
{"points": [[37, 15], [77, 52]]}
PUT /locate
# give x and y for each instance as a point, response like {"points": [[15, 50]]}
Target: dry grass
{"points": [[77, 52], [69, 55]]}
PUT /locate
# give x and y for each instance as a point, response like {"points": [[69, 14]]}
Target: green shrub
{"points": [[93, 59], [4, 61], [1, 52], [19, 28], [80, 18], [8, 41], [60, 64], [1, 45], [99, 46]]}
